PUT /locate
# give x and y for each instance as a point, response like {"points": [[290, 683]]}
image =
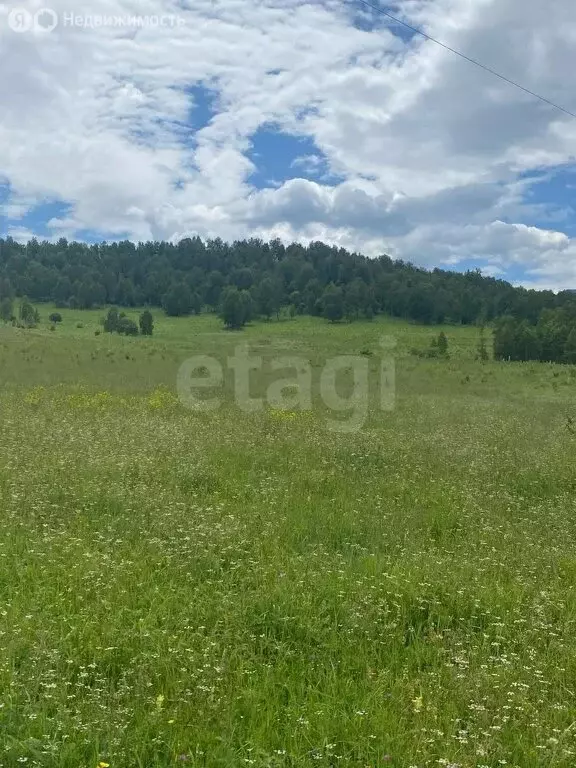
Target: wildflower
{"points": [[103, 765], [417, 703]]}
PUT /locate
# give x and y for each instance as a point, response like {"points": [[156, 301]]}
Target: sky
{"points": [[299, 119]]}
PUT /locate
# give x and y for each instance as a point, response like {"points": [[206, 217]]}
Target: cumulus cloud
{"points": [[423, 155]]}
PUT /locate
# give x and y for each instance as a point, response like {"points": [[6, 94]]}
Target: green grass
{"points": [[223, 589]]}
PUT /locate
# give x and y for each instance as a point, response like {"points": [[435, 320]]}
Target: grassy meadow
{"points": [[226, 589]]}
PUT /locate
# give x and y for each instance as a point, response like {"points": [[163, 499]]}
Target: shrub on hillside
{"points": [[127, 327]]}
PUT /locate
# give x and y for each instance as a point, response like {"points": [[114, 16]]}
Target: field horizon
{"points": [[226, 588]]}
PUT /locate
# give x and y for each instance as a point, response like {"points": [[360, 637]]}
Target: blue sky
{"points": [[555, 191], [368, 19], [301, 120], [274, 154], [204, 106], [36, 220], [279, 157]]}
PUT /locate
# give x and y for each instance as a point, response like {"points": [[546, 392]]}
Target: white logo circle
{"points": [[45, 20], [20, 20]]}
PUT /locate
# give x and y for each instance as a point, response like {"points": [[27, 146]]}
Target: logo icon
{"points": [[45, 20], [20, 20]]}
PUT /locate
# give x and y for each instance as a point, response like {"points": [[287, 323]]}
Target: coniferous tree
{"points": [[112, 320], [28, 315], [232, 308], [146, 322], [482, 349], [442, 344], [247, 304], [6, 309], [196, 303], [178, 300], [333, 303], [570, 347], [268, 297], [6, 288]]}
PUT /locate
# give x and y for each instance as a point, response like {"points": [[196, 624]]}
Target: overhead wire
{"points": [[469, 59]]}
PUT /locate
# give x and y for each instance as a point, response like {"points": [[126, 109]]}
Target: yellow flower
{"points": [[34, 396], [162, 397], [103, 765]]}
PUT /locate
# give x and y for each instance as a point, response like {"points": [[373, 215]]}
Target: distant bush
{"points": [[79, 325], [55, 317], [127, 327], [429, 353], [438, 348], [117, 322]]}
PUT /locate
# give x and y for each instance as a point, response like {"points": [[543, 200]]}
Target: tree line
{"points": [[551, 339], [253, 278]]}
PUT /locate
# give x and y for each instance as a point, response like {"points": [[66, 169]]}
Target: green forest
{"points": [[252, 278], [190, 276]]}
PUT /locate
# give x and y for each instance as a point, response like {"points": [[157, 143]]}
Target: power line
{"points": [[466, 58]]}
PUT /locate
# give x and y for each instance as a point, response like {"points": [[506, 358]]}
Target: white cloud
{"points": [[430, 147]]}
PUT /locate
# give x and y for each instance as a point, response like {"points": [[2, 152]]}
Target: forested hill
{"points": [[191, 275]]}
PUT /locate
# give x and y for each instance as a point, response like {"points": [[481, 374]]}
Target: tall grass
{"points": [[222, 589]]}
